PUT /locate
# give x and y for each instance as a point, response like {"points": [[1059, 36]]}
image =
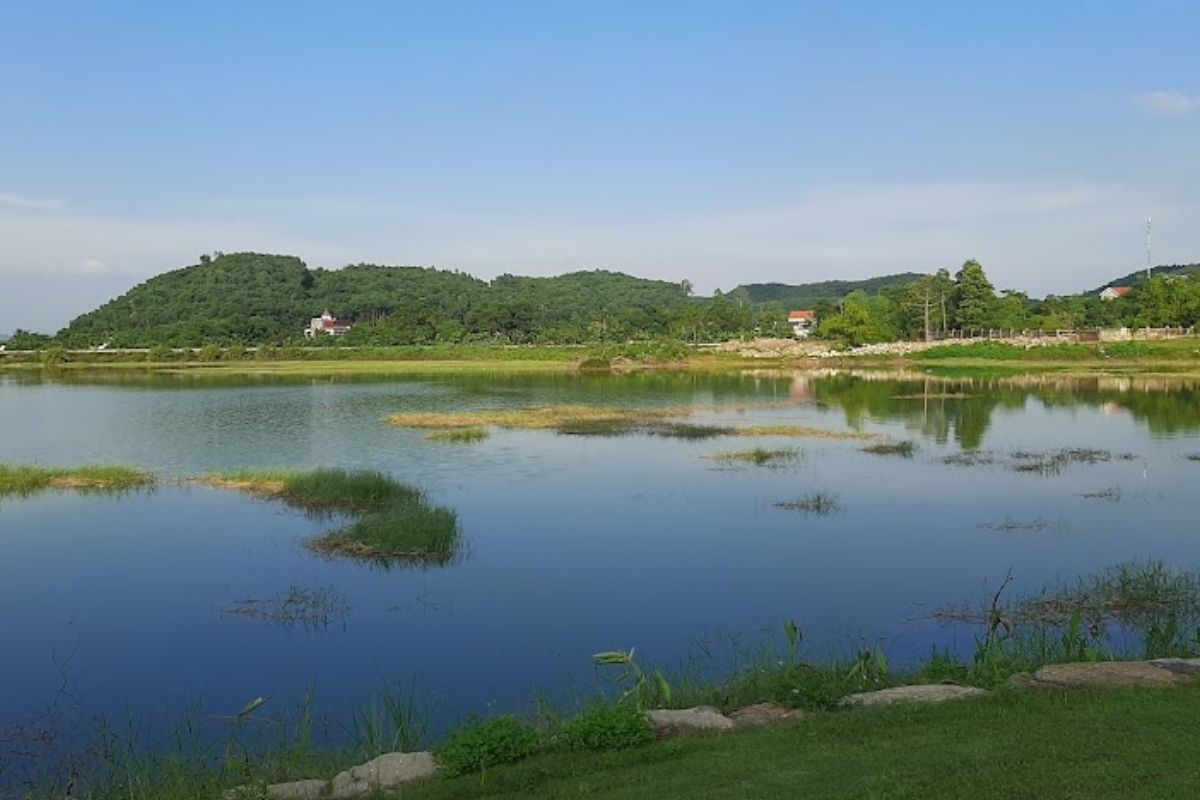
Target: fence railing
{"points": [[1067, 334]]}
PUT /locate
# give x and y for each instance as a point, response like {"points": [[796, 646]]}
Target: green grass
{"points": [[1123, 744], [459, 435], [24, 479]]}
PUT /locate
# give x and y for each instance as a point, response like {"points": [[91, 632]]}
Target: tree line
{"points": [[252, 299]]}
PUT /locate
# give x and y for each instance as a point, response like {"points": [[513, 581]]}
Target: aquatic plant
{"points": [[459, 435], [1052, 462], [1193, 456], [413, 530], [1112, 494], [311, 608], [395, 522], [904, 449], [817, 503], [969, 459], [758, 456], [27, 478]]}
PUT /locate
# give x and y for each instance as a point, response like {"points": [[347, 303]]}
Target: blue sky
{"points": [[719, 142]]}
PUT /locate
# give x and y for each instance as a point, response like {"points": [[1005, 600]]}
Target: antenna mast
{"points": [[1148, 227]]}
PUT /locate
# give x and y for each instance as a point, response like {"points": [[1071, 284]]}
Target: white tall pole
{"points": [[1148, 228]]}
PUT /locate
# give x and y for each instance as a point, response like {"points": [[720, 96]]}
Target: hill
{"points": [[253, 298], [1138, 276], [806, 295]]}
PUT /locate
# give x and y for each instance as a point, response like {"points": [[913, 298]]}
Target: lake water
{"points": [[575, 544]]}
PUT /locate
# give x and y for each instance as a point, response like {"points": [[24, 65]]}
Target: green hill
{"points": [[253, 298], [1138, 276], [806, 295]]}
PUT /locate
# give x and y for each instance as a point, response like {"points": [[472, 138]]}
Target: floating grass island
{"points": [[28, 478], [393, 521]]}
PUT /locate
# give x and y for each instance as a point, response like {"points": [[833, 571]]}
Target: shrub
{"points": [[482, 744], [605, 727]]}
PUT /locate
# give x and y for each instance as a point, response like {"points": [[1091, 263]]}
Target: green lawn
{"points": [[1123, 744]]}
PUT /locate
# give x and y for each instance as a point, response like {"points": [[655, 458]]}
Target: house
{"points": [[1113, 292], [802, 323], [326, 324]]}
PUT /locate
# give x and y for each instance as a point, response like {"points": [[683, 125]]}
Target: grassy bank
{"points": [[1120, 744]]}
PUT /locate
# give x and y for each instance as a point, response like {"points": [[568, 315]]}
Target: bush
{"points": [[605, 727], [482, 744]]}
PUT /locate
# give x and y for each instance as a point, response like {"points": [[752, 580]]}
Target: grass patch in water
{"points": [[683, 430], [415, 530], [459, 435], [904, 449], [395, 522], [541, 418], [820, 504], [1193, 456], [28, 478], [758, 456]]}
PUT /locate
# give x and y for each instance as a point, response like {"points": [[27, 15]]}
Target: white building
{"points": [[326, 324]]}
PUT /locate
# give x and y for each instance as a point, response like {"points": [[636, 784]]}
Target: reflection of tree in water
{"points": [[937, 409], [941, 409]]}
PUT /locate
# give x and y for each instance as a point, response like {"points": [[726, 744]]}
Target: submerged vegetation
{"points": [[26, 479], [1052, 462], [817, 503], [758, 456], [311, 608]]}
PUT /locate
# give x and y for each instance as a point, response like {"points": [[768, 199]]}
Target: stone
{"points": [[761, 714], [388, 771], [1184, 666], [344, 786], [669, 723], [927, 693], [1109, 675]]}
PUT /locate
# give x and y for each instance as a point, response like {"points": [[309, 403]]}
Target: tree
{"points": [[974, 297]]}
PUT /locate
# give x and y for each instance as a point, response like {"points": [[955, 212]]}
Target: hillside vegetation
{"points": [[254, 298], [808, 295]]}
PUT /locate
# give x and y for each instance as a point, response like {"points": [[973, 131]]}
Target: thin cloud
{"points": [[33, 203], [1166, 101]]}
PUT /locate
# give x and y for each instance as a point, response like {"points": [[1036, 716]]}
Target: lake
{"points": [[120, 605]]}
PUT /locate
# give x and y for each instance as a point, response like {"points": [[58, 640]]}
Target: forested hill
{"points": [[252, 298], [806, 295], [1136, 277]]}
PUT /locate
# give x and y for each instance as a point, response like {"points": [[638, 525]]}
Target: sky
{"points": [[724, 143]]}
